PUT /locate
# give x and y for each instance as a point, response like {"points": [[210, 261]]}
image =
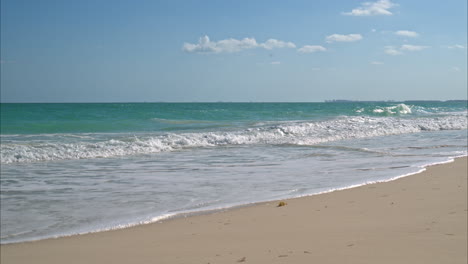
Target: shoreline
{"points": [[422, 217], [208, 211]]}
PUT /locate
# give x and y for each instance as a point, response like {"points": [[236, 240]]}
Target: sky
{"points": [[232, 51]]}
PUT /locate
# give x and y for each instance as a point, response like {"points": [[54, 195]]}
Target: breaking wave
{"points": [[296, 133], [400, 109]]}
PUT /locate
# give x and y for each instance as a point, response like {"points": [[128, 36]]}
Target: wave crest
{"points": [[296, 133]]}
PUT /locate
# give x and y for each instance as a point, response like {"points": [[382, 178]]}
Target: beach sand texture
{"points": [[417, 219]]}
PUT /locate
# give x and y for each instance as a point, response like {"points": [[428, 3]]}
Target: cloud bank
{"points": [[343, 38], [205, 45], [392, 50], [378, 8], [273, 43], [407, 33], [311, 49], [413, 47]]}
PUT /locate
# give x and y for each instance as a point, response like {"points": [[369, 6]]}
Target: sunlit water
{"points": [[78, 168]]}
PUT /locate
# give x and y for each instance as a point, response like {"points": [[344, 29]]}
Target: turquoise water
{"points": [[78, 168], [151, 117]]}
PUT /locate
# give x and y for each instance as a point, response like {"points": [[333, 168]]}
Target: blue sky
{"points": [[207, 50]]}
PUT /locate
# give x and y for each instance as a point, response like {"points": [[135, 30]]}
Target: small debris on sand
{"points": [[242, 259], [281, 204]]}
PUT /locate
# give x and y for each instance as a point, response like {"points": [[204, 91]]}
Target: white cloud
{"points": [[454, 68], [392, 50], [456, 46], [228, 45], [311, 49], [380, 7], [376, 63], [205, 45], [407, 33], [412, 47], [275, 63], [316, 69], [273, 43], [343, 38]]}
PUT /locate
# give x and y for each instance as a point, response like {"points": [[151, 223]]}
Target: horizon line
{"points": [[204, 102]]}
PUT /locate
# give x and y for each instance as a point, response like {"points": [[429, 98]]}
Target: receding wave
{"points": [[296, 133]]}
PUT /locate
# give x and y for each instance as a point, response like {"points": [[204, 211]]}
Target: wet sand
{"points": [[417, 219]]}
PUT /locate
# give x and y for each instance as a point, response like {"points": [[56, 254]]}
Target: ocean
{"points": [[78, 168]]}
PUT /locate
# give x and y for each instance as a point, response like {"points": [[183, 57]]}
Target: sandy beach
{"points": [[417, 219]]}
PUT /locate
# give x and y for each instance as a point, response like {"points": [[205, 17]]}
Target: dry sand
{"points": [[418, 219]]}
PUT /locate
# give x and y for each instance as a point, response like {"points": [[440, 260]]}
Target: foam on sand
{"points": [[421, 218]]}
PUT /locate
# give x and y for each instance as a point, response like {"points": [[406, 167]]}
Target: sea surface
{"points": [[77, 168]]}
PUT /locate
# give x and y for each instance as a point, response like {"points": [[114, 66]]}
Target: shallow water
{"points": [[80, 179]]}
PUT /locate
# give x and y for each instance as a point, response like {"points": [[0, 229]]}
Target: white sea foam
{"points": [[207, 209], [296, 133], [400, 109], [107, 181]]}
